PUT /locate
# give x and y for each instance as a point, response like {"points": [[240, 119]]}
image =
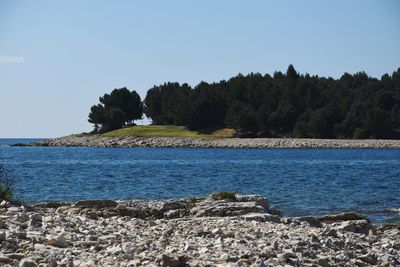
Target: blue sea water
{"points": [[297, 181]]}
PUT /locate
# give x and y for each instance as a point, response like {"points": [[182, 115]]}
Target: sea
{"points": [[297, 181]]}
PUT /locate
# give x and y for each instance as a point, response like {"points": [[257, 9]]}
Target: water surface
{"points": [[297, 181]]}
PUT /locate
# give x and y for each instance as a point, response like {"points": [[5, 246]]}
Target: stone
{"points": [[174, 260], [14, 209], [114, 250], [173, 205], [224, 208], [385, 258], [344, 216], [285, 256], [16, 256], [2, 236], [27, 262], [323, 261], [36, 218], [48, 219], [216, 231], [20, 234], [4, 204], [5, 259], [92, 215], [328, 231], [260, 263], [86, 244], [259, 200], [39, 246], [369, 258], [261, 217], [172, 214], [314, 222], [3, 225], [91, 238], [57, 242], [359, 263], [96, 204], [360, 226]]}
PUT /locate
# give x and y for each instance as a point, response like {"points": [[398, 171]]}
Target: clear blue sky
{"points": [[58, 57]]}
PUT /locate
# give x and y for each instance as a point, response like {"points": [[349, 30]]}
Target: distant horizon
{"points": [[57, 58]]}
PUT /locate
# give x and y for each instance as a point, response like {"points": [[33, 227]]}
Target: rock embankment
{"points": [[189, 232], [129, 141]]}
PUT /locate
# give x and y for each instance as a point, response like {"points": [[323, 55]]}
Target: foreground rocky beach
{"points": [[238, 231], [86, 140]]}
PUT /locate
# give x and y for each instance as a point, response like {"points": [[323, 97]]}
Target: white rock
{"points": [[114, 250], [4, 204]]}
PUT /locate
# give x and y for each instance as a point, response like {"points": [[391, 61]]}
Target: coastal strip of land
{"points": [[209, 231], [94, 140]]}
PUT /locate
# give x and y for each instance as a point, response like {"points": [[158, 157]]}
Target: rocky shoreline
{"points": [[86, 140], [241, 231]]}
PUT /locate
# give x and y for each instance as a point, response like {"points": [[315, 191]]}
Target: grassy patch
{"points": [[167, 131], [224, 196]]}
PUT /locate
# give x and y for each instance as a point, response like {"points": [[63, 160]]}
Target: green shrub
{"points": [[224, 196], [6, 194], [5, 186]]}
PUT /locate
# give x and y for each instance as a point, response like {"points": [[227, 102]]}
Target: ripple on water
{"points": [[298, 181]]}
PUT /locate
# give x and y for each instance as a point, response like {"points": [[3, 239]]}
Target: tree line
{"points": [[282, 105]]}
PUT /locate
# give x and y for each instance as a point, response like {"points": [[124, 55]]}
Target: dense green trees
{"points": [[287, 104], [121, 107], [283, 105]]}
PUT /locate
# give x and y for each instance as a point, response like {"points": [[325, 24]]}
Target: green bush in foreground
{"points": [[224, 196], [5, 186]]}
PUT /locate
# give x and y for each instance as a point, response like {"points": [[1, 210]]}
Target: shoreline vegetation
{"points": [[286, 104], [224, 229]]}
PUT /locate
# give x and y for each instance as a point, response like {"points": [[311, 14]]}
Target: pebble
{"points": [[57, 242]]}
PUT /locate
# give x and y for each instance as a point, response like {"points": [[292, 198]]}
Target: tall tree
{"points": [[119, 108]]}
